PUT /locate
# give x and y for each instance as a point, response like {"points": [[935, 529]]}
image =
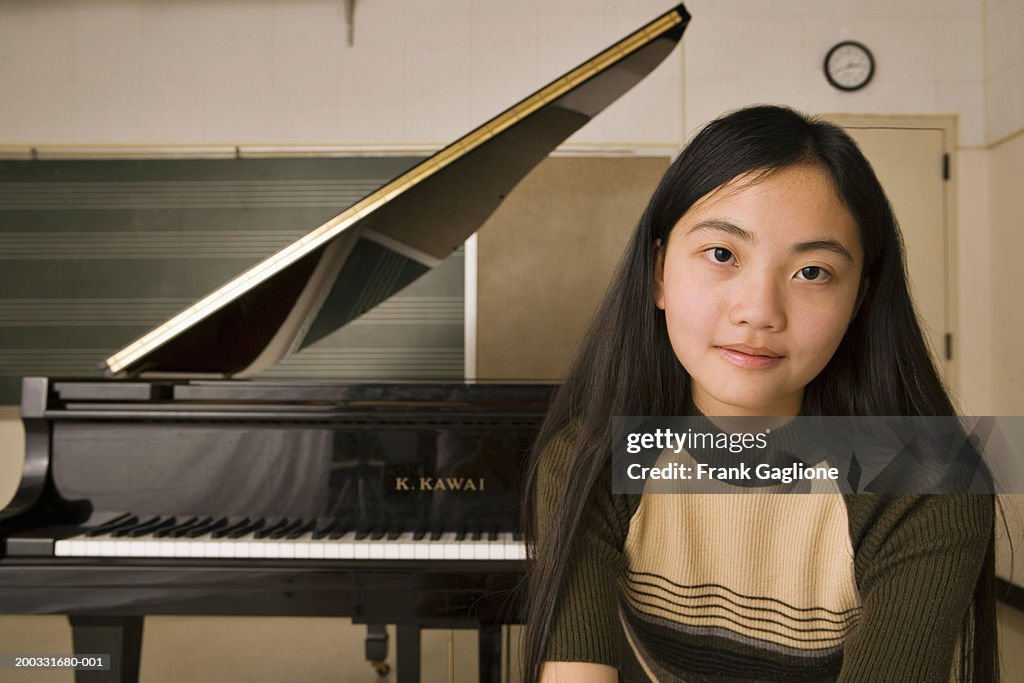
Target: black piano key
{"points": [[250, 528], [155, 524], [167, 531], [272, 525], [342, 527], [378, 532], [363, 529], [123, 518], [323, 527], [420, 533], [165, 523], [234, 523], [492, 532], [302, 530], [460, 533], [436, 533], [144, 524], [182, 529], [116, 523], [288, 528], [474, 530], [203, 529], [517, 535]]}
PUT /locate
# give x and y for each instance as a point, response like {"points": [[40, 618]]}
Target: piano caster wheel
{"points": [[382, 668]]}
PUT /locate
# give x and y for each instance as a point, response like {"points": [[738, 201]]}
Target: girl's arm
{"points": [[917, 563], [577, 672]]}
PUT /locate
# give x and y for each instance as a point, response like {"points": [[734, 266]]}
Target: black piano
{"points": [[178, 486]]}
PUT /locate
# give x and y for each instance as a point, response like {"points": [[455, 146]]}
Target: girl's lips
{"points": [[748, 360]]}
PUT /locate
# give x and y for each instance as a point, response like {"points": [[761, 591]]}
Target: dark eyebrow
{"points": [[824, 245], [715, 225], [722, 226]]}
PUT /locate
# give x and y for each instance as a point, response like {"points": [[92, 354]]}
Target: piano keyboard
{"points": [[166, 537]]}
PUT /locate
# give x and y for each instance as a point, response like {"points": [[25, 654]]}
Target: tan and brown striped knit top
{"points": [[819, 586]]}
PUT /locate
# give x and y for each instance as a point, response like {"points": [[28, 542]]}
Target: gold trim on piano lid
{"points": [[332, 228]]}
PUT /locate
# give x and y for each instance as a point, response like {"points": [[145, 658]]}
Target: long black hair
{"points": [[626, 365]]}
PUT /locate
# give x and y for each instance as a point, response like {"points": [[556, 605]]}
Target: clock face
{"points": [[849, 65]]}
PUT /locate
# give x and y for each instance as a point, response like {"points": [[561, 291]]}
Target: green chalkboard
{"points": [[93, 253]]}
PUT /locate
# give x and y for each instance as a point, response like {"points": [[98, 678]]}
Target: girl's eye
{"points": [[719, 254], [814, 273]]}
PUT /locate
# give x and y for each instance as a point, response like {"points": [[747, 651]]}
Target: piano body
{"points": [[179, 487]]}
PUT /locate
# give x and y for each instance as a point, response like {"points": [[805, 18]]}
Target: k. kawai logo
{"points": [[439, 484]]}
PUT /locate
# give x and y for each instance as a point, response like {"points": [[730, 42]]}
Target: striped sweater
{"points": [[819, 586]]}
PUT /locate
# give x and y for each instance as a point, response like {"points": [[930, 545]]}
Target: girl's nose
{"points": [[758, 303]]}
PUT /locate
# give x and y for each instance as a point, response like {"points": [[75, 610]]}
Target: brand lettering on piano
{"points": [[439, 484]]}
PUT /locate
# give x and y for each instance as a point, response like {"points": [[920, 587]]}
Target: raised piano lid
{"points": [[363, 255]]}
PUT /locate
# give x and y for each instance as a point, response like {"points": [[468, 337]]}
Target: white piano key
{"points": [[449, 546], [481, 550], [211, 548], [346, 546], [406, 546]]}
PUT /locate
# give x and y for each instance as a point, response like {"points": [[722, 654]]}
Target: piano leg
{"points": [[490, 653], [377, 648], [119, 637], [407, 653]]}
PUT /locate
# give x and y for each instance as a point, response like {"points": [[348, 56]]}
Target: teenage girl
{"points": [[766, 277]]}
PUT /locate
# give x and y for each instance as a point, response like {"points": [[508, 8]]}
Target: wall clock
{"points": [[849, 65]]}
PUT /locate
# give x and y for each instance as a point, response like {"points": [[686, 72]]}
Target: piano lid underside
{"points": [[433, 209]]}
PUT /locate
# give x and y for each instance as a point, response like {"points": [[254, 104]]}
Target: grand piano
{"points": [[179, 486]]}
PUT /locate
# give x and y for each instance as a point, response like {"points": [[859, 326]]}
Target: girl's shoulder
{"points": [[877, 521]]}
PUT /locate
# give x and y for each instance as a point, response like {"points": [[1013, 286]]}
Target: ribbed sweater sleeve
{"points": [[917, 559], [585, 627]]}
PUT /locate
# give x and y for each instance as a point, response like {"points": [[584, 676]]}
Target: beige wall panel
{"points": [[546, 257], [1007, 215], [12, 452], [974, 255]]}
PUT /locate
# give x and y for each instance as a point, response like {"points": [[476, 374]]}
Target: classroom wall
{"points": [[424, 71], [264, 72]]}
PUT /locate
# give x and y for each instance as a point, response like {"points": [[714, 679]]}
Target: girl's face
{"points": [[759, 281]]}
